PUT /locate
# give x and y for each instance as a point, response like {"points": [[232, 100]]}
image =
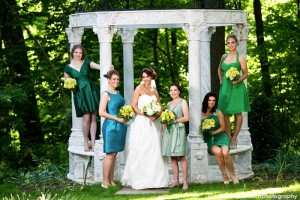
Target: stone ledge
{"points": [[80, 151]]}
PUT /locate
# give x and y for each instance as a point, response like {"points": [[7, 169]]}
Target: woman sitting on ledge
{"points": [[216, 139]]}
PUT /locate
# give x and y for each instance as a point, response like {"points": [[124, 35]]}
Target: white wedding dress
{"points": [[145, 166]]}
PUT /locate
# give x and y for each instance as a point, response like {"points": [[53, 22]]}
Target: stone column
{"points": [[128, 39], [205, 60], [105, 35], [241, 31], [127, 36], [198, 162], [76, 137]]}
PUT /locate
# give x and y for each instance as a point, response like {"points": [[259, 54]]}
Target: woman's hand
{"points": [[152, 118]]}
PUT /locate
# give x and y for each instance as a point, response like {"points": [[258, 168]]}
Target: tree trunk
{"points": [[13, 40], [263, 56], [217, 45]]}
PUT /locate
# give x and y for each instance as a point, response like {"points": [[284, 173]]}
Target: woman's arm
{"points": [[219, 69], [102, 109], [134, 102], [244, 68], [185, 110], [222, 124], [94, 65], [66, 75]]}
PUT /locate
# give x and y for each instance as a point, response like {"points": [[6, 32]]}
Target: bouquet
{"points": [[232, 74], [208, 124], [70, 83], [151, 109], [126, 112], [167, 117]]}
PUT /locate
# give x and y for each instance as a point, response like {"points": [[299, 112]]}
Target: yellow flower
{"points": [[208, 124], [70, 83], [126, 112], [232, 73], [167, 117]]}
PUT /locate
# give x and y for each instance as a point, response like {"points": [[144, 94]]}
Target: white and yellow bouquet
{"points": [[126, 112], [208, 125], [151, 109], [70, 83], [232, 74], [167, 117]]}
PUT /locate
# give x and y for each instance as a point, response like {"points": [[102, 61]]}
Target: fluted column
{"points": [[241, 31], [205, 60], [198, 162], [127, 36], [105, 35], [76, 137]]}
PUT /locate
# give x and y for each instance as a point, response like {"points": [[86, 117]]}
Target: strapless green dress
{"points": [[233, 98], [87, 95]]}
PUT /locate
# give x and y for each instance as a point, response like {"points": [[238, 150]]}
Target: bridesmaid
{"points": [[86, 96], [174, 142], [113, 128], [217, 140], [233, 97]]}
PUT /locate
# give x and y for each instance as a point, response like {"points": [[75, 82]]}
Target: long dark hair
{"points": [[150, 72], [205, 102]]}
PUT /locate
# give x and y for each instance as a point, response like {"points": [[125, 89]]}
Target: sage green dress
{"points": [[174, 141], [233, 98], [219, 139], [86, 95]]}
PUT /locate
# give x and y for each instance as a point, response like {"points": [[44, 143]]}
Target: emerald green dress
{"points": [[233, 98], [219, 139], [87, 95], [174, 141]]}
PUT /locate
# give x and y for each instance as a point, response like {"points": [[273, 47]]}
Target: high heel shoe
{"points": [[225, 179], [175, 184], [235, 180], [104, 186], [233, 144]]}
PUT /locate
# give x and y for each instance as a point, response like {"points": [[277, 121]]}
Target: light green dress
{"points": [[233, 98], [174, 142]]}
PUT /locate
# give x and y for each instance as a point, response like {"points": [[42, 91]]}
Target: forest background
{"points": [[35, 110]]}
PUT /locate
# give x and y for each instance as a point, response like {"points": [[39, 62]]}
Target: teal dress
{"points": [[233, 98], [174, 141], [219, 139], [114, 132], [86, 96]]}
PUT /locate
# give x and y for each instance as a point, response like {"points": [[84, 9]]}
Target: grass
{"points": [[253, 188]]}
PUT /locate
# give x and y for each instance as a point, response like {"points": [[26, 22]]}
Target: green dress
{"points": [[233, 98], [219, 139], [174, 141], [87, 95]]}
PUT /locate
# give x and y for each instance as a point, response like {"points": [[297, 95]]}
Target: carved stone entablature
{"points": [[157, 18]]}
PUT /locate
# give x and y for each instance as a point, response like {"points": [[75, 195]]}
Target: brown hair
{"points": [[150, 72], [233, 37], [77, 46], [110, 73]]}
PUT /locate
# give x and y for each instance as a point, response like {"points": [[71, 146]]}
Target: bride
{"points": [[145, 166]]}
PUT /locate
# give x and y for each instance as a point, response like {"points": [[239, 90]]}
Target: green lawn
{"points": [[253, 188]]}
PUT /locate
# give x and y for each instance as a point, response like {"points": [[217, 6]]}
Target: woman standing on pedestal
{"points": [[86, 95], [233, 96], [216, 139], [113, 128], [174, 142], [145, 166]]}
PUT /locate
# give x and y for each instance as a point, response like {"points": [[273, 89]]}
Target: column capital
{"points": [[207, 33], [193, 31], [105, 33], [127, 35], [241, 31], [74, 35]]}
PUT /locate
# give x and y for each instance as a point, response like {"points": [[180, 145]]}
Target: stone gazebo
{"points": [[199, 25]]}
